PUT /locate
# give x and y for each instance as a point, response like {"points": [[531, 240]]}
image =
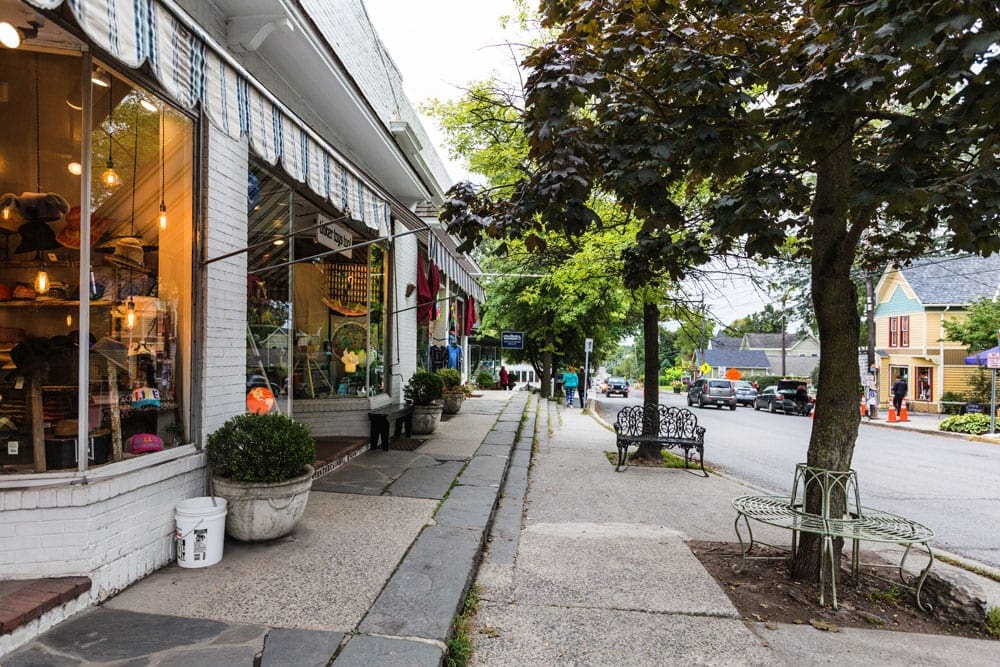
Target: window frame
{"points": [[904, 331], [893, 332]]}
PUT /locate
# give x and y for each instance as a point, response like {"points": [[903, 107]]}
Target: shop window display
{"points": [[315, 328], [137, 297]]}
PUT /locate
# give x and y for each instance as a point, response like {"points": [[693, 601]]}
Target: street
{"points": [[946, 483]]}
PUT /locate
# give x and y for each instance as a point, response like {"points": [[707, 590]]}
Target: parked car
{"points": [[617, 385], [745, 393], [783, 397], [712, 391]]}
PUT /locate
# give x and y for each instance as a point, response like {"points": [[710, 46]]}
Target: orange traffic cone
{"points": [[892, 414], [903, 417], [863, 410]]}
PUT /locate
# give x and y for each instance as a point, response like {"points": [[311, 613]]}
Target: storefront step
{"points": [[24, 600], [334, 451]]}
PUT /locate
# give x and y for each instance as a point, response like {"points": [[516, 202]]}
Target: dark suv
{"points": [[617, 385], [784, 397], [712, 391]]}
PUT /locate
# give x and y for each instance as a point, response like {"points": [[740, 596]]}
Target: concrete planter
{"points": [[426, 418], [453, 402], [259, 512]]}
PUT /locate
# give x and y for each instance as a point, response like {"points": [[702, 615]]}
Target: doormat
{"points": [[403, 444]]}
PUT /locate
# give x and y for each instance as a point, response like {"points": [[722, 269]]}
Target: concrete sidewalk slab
{"points": [[299, 648], [365, 651], [616, 567], [299, 581], [531, 634], [804, 645]]}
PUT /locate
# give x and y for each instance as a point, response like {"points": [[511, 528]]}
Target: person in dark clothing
{"points": [[801, 398], [504, 378], [899, 389]]}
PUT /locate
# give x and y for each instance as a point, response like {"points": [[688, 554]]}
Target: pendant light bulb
{"points": [[9, 35], [6, 213], [163, 215], [130, 315], [42, 280], [110, 177]]}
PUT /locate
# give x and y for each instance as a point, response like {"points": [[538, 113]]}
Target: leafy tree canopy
{"points": [[978, 329]]}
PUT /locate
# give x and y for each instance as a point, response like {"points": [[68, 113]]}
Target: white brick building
{"points": [[214, 139]]}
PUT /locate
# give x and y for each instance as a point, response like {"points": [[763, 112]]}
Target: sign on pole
{"points": [[705, 368], [993, 360], [588, 345], [512, 340]]}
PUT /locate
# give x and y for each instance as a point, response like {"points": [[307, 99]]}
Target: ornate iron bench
{"points": [[659, 425], [858, 524]]}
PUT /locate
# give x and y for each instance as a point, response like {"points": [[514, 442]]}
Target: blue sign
{"points": [[512, 340]]}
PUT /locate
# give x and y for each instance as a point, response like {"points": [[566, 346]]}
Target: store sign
{"points": [[333, 236], [993, 360], [512, 340]]}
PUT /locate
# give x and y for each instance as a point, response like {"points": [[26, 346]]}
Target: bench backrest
{"points": [[665, 422], [838, 490]]}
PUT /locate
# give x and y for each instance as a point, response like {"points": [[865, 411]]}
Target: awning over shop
{"points": [[194, 69], [979, 358], [440, 256]]}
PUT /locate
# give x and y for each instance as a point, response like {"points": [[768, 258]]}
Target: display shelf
{"points": [[51, 303]]}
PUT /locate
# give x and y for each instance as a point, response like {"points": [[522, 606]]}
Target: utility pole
{"points": [[870, 307], [784, 298]]}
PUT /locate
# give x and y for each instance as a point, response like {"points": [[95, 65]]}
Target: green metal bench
{"points": [[858, 524]]}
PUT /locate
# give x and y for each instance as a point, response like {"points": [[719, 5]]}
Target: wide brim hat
{"points": [[69, 236], [114, 351], [36, 236], [128, 253]]}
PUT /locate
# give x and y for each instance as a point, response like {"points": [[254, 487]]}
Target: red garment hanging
{"points": [[434, 282], [424, 294], [470, 315]]}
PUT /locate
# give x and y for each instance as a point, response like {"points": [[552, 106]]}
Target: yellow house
{"points": [[912, 303]]}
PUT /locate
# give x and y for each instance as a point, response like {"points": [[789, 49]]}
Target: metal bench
{"points": [[665, 427], [401, 414], [858, 524]]}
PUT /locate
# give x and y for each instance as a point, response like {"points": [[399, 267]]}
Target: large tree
{"points": [[865, 131]]}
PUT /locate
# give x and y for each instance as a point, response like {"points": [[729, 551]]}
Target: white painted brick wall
{"points": [[224, 365], [403, 357]]}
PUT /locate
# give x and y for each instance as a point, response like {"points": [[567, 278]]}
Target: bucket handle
{"points": [[200, 521]]}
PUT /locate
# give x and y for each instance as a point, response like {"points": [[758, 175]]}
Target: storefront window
{"points": [[138, 296], [315, 328], [925, 383]]}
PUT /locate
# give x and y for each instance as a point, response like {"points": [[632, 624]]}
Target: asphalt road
{"points": [[949, 484]]}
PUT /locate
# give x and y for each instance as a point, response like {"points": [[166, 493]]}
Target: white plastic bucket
{"points": [[201, 527]]}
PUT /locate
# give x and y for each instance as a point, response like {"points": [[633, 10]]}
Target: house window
{"points": [[925, 383], [893, 332], [904, 331]]}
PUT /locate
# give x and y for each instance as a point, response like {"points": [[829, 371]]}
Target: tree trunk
{"points": [[550, 343], [651, 371], [834, 295]]}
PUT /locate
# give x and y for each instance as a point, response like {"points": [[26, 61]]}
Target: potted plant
{"points": [[452, 392], [263, 468], [485, 380], [424, 390], [677, 385]]}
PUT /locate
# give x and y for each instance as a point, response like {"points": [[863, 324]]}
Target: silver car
{"points": [[745, 393]]}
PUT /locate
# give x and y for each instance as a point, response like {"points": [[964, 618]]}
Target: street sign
{"points": [[993, 360], [733, 374], [705, 368], [512, 340], [588, 345]]}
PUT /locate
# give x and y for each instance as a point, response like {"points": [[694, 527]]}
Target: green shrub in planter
{"points": [[975, 423], [423, 388], [485, 379], [451, 378], [261, 448]]}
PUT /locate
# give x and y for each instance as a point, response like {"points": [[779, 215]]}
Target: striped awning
{"points": [[445, 261], [194, 70]]}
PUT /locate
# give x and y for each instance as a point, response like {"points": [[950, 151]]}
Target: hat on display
{"points": [[6, 293], [36, 236], [128, 253], [112, 350], [24, 292], [145, 397], [69, 236], [144, 442], [66, 427], [32, 207], [139, 349]]}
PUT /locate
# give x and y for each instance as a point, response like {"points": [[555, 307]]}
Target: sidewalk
{"points": [[582, 566], [601, 574], [928, 423], [375, 572]]}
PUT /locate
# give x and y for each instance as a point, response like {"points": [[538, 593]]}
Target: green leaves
{"points": [[261, 448]]}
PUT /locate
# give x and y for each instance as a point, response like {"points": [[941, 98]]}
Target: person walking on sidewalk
{"points": [[899, 390], [504, 378], [570, 382]]}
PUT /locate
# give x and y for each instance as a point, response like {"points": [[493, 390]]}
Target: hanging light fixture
{"points": [[130, 309], [100, 78], [163, 171], [9, 35], [109, 176], [42, 277], [130, 314]]}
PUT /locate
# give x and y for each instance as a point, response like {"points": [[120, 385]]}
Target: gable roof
{"points": [[767, 341], [729, 358], [729, 342], [954, 280]]}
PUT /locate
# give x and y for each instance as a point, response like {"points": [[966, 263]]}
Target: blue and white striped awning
{"points": [[195, 70], [445, 261]]}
